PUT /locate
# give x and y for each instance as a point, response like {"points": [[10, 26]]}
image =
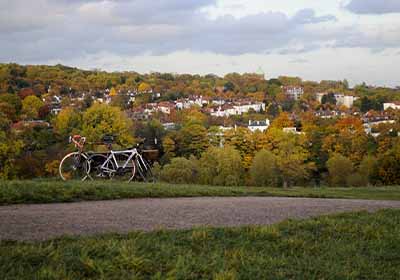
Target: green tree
{"points": [[221, 167], [264, 170], [31, 106], [193, 139], [101, 119], [340, 168]]}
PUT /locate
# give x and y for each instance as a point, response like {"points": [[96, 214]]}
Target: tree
{"points": [[282, 121], [10, 149], [113, 92], [389, 166], [329, 99], [347, 137], [101, 119], [339, 167], [67, 122], [221, 167], [264, 169], [144, 87], [193, 139], [292, 157], [31, 106], [12, 100]]}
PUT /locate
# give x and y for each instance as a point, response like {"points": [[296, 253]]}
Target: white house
{"points": [[242, 107], [393, 105], [259, 125]]}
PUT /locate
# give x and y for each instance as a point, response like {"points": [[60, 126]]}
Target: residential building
{"points": [[259, 125], [293, 92], [392, 105], [341, 99]]}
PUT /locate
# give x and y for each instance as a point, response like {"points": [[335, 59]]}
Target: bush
{"points": [[369, 170], [339, 167], [263, 170], [221, 167], [180, 171], [356, 180]]}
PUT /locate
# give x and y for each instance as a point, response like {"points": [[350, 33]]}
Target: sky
{"points": [[358, 40]]}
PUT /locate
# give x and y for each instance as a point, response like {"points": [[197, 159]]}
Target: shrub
{"points": [[339, 167], [369, 169], [221, 166], [356, 180], [263, 170], [180, 171]]}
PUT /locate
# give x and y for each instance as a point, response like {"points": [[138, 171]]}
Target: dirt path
{"points": [[44, 221]]}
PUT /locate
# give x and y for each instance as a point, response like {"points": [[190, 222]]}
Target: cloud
{"points": [[374, 6], [49, 30], [64, 29]]}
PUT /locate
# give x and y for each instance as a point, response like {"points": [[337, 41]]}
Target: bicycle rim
{"points": [[74, 166]]}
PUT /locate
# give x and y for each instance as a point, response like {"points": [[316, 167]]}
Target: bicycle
{"points": [[123, 163], [75, 165]]}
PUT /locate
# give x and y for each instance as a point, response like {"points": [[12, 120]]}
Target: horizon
{"points": [[335, 40]]}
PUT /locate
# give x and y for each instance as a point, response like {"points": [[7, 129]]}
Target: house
{"points": [[293, 92], [345, 100], [165, 107], [392, 105], [292, 130], [259, 125], [20, 126], [244, 106], [169, 126]]}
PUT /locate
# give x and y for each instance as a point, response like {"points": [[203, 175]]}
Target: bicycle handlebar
{"points": [[78, 141]]}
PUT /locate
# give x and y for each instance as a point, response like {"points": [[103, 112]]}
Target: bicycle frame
{"points": [[132, 153]]}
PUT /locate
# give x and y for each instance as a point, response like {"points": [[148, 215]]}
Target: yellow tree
{"points": [[31, 106], [101, 119], [67, 122], [113, 92], [144, 87]]}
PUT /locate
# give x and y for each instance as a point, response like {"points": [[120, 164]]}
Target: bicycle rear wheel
{"points": [[126, 170], [74, 166]]}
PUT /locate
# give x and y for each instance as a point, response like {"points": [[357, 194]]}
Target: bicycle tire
{"points": [[72, 167]]}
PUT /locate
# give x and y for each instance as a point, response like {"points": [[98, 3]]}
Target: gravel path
{"points": [[45, 221]]}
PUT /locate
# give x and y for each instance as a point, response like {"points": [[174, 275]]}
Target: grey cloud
{"points": [[69, 29], [374, 6]]}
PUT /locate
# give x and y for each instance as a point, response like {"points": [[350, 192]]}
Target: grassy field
{"points": [[347, 246], [47, 191]]}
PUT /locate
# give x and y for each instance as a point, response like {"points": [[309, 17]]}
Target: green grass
{"points": [[50, 191], [347, 246]]}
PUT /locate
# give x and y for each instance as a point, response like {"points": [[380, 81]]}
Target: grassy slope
{"points": [[348, 246], [14, 192]]}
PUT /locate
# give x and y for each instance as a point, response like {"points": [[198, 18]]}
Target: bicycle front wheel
{"points": [[74, 166]]}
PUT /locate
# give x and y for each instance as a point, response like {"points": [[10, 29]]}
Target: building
{"points": [[345, 100], [392, 105], [237, 108], [292, 130], [341, 99], [259, 125], [293, 92]]}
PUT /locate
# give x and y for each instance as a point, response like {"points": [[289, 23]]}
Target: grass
{"points": [[50, 191], [347, 246]]}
